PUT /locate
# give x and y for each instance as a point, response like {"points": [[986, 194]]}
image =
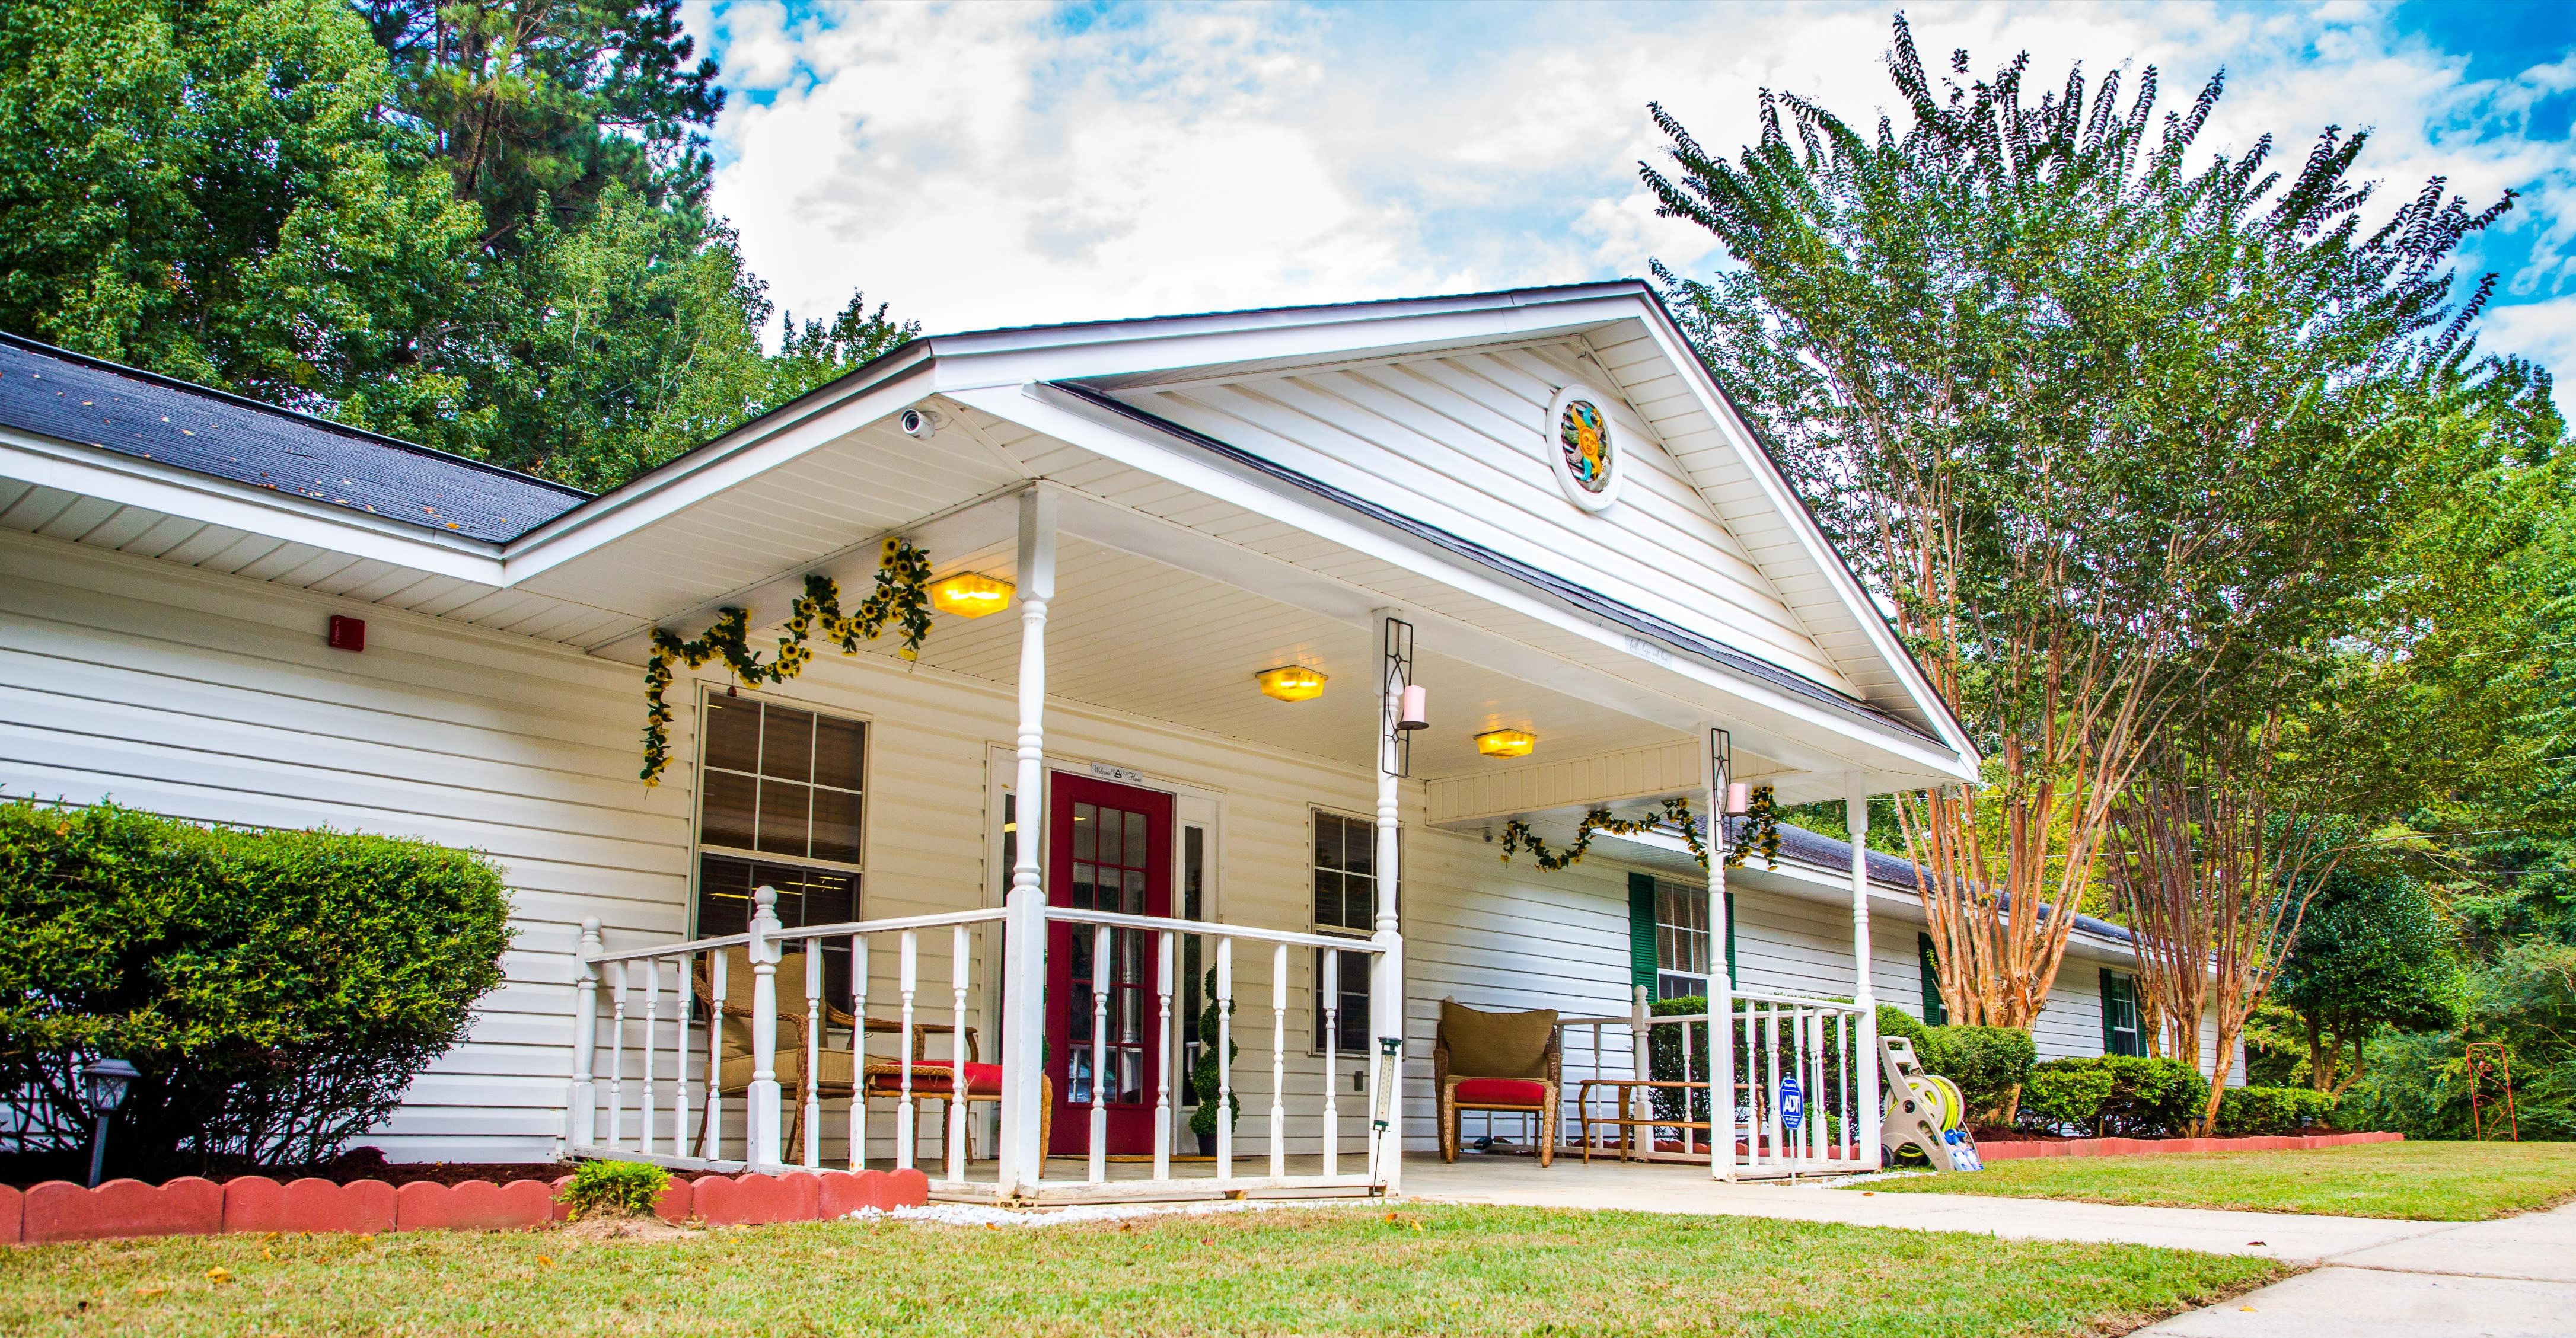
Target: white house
{"points": [[1535, 505]]}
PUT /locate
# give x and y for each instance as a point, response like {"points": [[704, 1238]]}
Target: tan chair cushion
{"points": [[1496, 1045]]}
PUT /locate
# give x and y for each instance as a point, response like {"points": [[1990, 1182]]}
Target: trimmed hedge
{"points": [[278, 989], [1987, 1063], [2115, 1096], [2274, 1110]]}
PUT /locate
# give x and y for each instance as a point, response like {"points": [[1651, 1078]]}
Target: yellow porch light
{"points": [[970, 595], [1506, 743], [1290, 683]]}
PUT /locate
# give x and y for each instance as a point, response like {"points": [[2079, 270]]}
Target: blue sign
{"points": [[1793, 1103]]}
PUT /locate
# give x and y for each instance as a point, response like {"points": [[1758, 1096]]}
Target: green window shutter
{"points": [[1935, 1013], [1641, 932], [2110, 997], [1730, 940]]}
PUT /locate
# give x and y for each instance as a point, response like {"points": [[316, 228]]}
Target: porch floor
{"points": [[1606, 1182]]}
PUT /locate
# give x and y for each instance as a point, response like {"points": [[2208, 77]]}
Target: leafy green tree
{"points": [[2373, 953], [213, 191], [476, 225], [2091, 408]]}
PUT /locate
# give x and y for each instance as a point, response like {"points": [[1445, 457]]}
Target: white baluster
{"points": [[761, 1113], [683, 999], [858, 1052], [1332, 1041], [959, 963], [1165, 1050], [714, 1150], [581, 1120], [1099, 1168], [1688, 1071], [812, 1118], [1771, 1058], [905, 983], [617, 1055], [1817, 1102], [1225, 1059], [1278, 1060], [1842, 1047], [652, 1015]]}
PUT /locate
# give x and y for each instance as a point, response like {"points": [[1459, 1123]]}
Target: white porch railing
{"points": [[1772, 1038], [705, 1001], [1326, 1104], [666, 1061]]}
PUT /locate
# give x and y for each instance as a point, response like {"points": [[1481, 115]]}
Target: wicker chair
{"points": [[1496, 1061]]}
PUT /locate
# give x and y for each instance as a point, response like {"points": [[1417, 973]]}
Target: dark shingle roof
{"points": [[1808, 847], [70, 397]]}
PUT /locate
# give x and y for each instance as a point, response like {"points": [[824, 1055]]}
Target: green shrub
{"points": [[2066, 1096], [1989, 1064], [1895, 1021], [2273, 1110], [2130, 1097], [278, 989], [615, 1189]]}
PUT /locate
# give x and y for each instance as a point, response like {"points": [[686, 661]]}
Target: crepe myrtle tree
{"points": [[2078, 400]]}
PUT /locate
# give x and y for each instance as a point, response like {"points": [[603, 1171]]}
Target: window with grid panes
{"points": [[780, 797], [1345, 903], [1681, 940]]}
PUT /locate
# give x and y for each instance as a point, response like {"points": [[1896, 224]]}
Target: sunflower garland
{"points": [[901, 597], [1761, 832]]}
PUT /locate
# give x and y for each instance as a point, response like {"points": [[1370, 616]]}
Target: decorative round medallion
{"points": [[1589, 462]]}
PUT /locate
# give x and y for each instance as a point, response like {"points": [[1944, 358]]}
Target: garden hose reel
{"points": [[1926, 1113]]}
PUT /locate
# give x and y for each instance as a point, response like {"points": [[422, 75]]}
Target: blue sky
{"points": [[991, 163]]}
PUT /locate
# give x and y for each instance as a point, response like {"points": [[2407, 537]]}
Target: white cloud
{"points": [[992, 164]]}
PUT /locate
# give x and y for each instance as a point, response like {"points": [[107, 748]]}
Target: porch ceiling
{"points": [[1131, 634]]}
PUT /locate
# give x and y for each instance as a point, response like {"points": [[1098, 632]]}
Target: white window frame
{"points": [[699, 849]]}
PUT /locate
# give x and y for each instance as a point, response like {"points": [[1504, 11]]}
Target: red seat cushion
{"points": [[1502, 1091], [981, 1079]]}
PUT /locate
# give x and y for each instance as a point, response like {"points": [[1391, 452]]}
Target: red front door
{"points": [[1109, 848]]}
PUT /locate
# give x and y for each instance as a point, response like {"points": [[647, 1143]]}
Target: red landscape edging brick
{"points": [[257, 1203], [2128, 1147], [59, 1210]]}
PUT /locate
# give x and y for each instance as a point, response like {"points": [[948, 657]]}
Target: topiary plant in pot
{"points": [[1203, 1074]]}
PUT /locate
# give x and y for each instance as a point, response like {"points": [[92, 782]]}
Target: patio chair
{"points": [[1496, 1061]]}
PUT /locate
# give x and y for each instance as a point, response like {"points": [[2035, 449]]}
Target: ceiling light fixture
{"points": [[970, 595], [1506, 743], [1291, 683]]}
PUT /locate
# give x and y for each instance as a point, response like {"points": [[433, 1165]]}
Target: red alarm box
{"points": [[348, 633]]}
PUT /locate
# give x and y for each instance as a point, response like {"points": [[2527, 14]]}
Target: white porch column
{"points": [[1386, 967], [760, 1101], [1721, 983], [1020, 1160], [581, 1114], [1866, 1110]]}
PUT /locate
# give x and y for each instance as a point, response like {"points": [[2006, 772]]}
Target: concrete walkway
{"points": [[2376, 1278]]}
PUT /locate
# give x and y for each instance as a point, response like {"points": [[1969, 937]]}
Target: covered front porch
{"points": [[1107, 945]]}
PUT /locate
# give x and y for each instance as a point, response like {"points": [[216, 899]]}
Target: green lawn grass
{"points": [[1318, 1270], [2439, 1182]]}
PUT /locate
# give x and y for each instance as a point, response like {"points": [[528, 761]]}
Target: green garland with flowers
{"points": [[1761, 832], [901, 598]]}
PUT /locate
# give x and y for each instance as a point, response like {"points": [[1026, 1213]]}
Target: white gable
{"points": [[1460, 441]]}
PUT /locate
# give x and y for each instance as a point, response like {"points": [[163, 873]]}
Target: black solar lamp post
{"points": [[107, 1081]]}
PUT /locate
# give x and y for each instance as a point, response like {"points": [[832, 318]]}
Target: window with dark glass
{"points": [[1345, 871], [779, 805], [2122, 1032], [1681, 940]]}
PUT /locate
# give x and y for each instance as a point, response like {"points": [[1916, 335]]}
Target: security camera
{"points": [[921, 423]]}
